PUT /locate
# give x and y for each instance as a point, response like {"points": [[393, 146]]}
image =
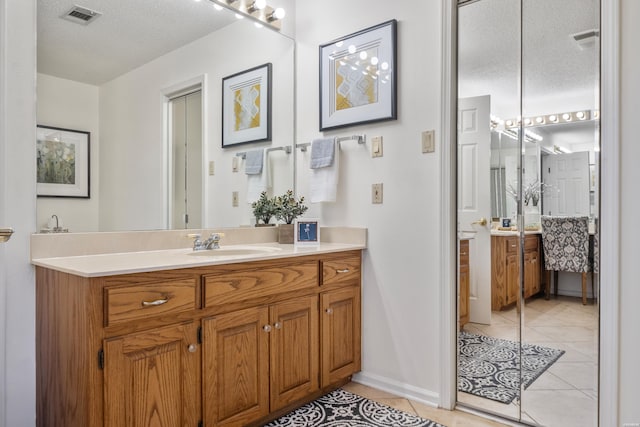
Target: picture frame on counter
{"points": [[306, 232], [63, 162]]}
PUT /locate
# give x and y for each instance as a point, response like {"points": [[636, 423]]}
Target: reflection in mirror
{"points": [[119, 77], [538, 354]]}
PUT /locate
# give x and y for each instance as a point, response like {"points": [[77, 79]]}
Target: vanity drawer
{"points": [[531, 243], [345, 269], [511, 244], [258, 283], [127, 303]]}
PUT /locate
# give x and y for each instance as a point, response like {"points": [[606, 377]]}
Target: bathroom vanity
{"points": [[505, 270], [235, 340]]}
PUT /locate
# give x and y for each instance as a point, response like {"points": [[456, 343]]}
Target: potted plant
{"points": [[287, 210], [264, 209]]}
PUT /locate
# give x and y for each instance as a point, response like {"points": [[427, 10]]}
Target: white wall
{"points": [[401, 264], [629, 208], [71, 105], [400, 297], [17, 210], [131, 128]]}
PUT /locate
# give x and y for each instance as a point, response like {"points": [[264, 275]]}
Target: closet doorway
{"points": [[536, 63], [185, 160]]}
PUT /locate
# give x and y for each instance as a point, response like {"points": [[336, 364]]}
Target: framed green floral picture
{"points": [[62, 162]]}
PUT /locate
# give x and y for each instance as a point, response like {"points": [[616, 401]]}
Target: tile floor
{"points": [[442, 416], [566, 393]]}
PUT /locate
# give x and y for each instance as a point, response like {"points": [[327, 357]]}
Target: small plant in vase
{"points": [[287, 210], [264, 209]]}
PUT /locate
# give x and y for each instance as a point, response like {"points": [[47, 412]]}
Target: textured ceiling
{"points": [[128, 34], [558, 74]]}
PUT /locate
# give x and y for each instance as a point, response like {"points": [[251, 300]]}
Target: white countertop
{"points": [[111, 264]]}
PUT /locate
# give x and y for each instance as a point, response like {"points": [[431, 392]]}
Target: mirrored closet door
{"points": [[528, 162]]}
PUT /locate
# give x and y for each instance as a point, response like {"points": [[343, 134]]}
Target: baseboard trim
{"points": [[398, 388]]}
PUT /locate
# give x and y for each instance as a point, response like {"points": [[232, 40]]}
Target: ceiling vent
{"points": [[81, 15], [587, 39]]}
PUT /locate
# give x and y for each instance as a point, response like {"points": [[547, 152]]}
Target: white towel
{"points": [[253, 162], [323, 182], [322, 152], [257, 183]]}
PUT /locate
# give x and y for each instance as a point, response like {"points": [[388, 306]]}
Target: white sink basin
{"points": [[235, 251]]}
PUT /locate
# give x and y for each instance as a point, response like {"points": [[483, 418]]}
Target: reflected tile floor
{"points": [[442, 416], [572, 382]]}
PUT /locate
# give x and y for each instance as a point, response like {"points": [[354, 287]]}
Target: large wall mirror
{"points": [[528, 192], [145, 78]]}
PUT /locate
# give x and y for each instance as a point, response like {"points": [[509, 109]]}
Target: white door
{"points": [[186, 161], [566, 179], [474, 200]]}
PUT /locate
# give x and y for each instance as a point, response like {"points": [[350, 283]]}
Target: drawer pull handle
{"points": [[156, 302], [329, 310], [346, 270], [266, 328], [463, 253], [192, 348], [277, 325]]}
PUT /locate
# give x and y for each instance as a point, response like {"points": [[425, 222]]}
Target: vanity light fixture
{"points": [[257, 10], [566, 117]]}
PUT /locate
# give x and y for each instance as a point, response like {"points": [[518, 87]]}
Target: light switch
{"points": [[428, 141], [234, 164], [376, 193], [234, 199], [376, 146], [212, 168]]}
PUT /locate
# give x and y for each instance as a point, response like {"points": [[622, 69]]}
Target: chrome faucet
{"points": [[213, 242], [57, 227]]}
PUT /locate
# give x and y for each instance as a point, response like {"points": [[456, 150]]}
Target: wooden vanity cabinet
{"points": [[227, 345], [505, 270], [463, 274]]}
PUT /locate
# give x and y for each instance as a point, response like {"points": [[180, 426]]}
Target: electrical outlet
{"points": [[428, 141], [376, 146], [234, 164], [234, 199], [376, 193], [212, 168]]}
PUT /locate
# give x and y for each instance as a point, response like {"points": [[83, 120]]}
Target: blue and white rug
{"points": [[343, 409], [490, 367]]}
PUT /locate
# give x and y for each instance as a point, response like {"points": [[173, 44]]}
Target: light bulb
{"points": [[553, 118], [566, 116], [260, 4], [580, 115], [385, 66], [363, 55], [352, 49], [374, 60], [279, 13], [539, 120]]}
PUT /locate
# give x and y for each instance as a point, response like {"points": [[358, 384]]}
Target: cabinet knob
{"points": [[266, 328], [192, 348], [277, 325], [329, 310]]}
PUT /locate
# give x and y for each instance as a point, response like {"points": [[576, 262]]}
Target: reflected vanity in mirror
{"points": [[528, 147], [150, 93]]}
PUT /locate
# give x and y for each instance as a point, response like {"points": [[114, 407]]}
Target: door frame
{"points": [[609, 210], [168, 93]]}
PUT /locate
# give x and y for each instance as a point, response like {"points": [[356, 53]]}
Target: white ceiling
{"points": [[128, 34], [559, 75]]}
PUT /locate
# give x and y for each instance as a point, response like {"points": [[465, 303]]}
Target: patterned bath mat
{"points": [[489, 367], [343, 409]]}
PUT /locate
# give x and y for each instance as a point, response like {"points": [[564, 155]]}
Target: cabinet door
{"points": [[531, 273], [340, 326], [512, 279], [236, 367], [295, 350], [463, 269], [153, 378]]}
